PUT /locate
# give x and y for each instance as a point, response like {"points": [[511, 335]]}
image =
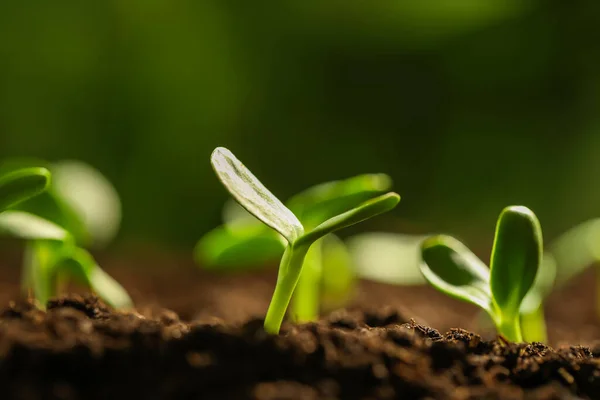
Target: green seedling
{"points": [[251, 194], [575, 251], [49, 264], [244, 242], [452, 268], [52, 255]]}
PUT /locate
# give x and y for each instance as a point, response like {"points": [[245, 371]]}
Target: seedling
{"points": [[575, 251], [328, 277], [452, 268], [247, 190], [52, 255]]}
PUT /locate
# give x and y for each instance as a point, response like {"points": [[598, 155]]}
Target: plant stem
{"points": [[533, 326], [287, 278], [306, 300], [510, 328], [597, 272]]}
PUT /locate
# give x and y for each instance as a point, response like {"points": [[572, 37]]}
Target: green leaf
{"points": [[22, 184], [24, 225], [91, 196], [516, 256], [366, 210], [576, 250], [235, 216], [452, 268], [321, 202], [50, 207], [225, 249], [387, 257], [254, 196]]}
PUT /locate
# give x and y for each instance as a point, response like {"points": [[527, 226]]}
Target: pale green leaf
{"points": [[254, 196]]}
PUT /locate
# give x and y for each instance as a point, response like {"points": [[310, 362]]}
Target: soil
{"points": [[199, 336]]}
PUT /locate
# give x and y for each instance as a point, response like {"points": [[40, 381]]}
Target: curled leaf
{"points": [[449, 266], [22, 184]]}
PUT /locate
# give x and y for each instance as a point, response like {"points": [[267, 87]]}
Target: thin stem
{"points": [[306, 300], [510, 328], [533, 326], [597, 272], [287, 278]]}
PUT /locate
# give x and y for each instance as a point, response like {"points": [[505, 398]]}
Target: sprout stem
{"points": [[534, 325], [289, 272], [306, 300], [511, 329]]}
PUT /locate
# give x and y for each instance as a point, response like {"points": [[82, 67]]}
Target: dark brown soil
{"points": [[212, 345], [81, 349]]}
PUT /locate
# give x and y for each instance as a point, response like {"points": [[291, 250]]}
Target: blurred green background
{"points": [[470, 106]]}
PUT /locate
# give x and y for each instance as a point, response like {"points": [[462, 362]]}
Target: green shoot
{"points": [[49, 263], [516, 256], [260, 202], [243, 242], [22, 184], [79, 202]]}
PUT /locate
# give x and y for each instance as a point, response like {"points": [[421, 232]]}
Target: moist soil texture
{"points": [[195, 335]]}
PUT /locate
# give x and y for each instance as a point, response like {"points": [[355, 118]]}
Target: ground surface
{"points": [[211, 345]]}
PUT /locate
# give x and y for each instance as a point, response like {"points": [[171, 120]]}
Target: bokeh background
{"points": [[470, 106]]}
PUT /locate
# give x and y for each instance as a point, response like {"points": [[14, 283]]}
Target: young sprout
{"points": [[53, 222], [243, 242], [247, 190], [452, 268], [48, 264], [575, 251]]}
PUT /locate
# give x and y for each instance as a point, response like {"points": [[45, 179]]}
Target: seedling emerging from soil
{"points": [[247, 190], [452, 268], [328, 277], [52, 223]]}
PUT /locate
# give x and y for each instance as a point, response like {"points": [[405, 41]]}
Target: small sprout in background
{"points": [[452, 268], [80, 207], [391, 258], [575, 251], [327, 280], [260, 202]]}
